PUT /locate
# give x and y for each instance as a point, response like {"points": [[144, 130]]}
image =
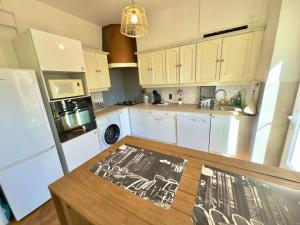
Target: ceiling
{"points": [[104, 12]]}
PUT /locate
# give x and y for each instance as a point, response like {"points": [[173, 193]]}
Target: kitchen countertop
{"points": [[82, 197], [108, 109], [193, 108], [186, 108]]}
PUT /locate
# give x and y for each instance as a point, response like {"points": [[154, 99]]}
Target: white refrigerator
{"points": [[29, 160]]}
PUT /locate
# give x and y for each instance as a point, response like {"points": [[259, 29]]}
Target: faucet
{"points": [[217, 91]]}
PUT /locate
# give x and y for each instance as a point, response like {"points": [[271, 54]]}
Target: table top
{"points": [[102, 202]]}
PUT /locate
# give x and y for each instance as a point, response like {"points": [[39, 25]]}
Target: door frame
{"points": [[292, 134]]}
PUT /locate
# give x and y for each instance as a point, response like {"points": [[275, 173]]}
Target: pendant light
{"points": [[134, 22]]}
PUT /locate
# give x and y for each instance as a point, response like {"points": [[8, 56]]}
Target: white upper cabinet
{"points": [[187, 64], [97, 72], [231, 59], [231, 13], [144, 63], [208, 61], [152, 68], [57, 53], [158, 67], [236, 57], [172, 66]]}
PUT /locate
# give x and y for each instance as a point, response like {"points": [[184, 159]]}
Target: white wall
{"points": [[34, 14], [181, 23], [281, 87]]}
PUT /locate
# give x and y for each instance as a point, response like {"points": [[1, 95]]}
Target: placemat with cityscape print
{"points": [[148, 174], [229, 198]]}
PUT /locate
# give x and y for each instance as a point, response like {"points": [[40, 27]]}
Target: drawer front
{"points": [[168, 114]]}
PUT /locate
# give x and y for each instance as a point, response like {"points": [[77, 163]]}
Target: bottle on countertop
{"points": [[238, 100]]}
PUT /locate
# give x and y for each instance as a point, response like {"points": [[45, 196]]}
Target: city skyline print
{"points": [[229, 198], [150, 175]]}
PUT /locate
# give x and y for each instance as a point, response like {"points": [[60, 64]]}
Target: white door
{"points": [[93, 81], [145, 74], [172, 66], [188, 64], [57, 53], [159, 67], [137, 122], [25, 130], [102, 71], [236, 57], [167, 129], [193, 132], [152, 126], [25, 185], [81, 149], [291, 154], [219, 134], [125, 122], [208, 61]]}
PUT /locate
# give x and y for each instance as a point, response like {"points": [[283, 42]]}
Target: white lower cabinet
{"points": [[160, 126], [193, 131], [137, 122], [125, 122], [80, 149], [230, 135]]}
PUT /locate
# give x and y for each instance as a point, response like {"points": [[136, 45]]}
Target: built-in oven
{"points": [[73, 117]]}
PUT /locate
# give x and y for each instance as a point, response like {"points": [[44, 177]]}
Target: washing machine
{"points": [[109, 129]]}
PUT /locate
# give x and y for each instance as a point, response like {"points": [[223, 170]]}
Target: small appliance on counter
{"points": [[156, 98], [73, 117]]}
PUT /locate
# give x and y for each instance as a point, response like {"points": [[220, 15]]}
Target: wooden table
{"points": [[82, 198]]}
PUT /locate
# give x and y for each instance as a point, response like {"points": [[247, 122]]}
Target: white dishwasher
{"points": [[193, 131]]}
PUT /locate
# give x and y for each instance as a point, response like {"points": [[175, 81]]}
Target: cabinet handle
{"points": [[98, 71], [222, 60], [194, 120], [218, 60], [82, 68], [179, 65]]}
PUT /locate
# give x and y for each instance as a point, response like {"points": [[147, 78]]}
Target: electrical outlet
{"points": [[170, 96]]}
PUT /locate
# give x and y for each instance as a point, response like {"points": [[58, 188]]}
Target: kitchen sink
{"points": [[228, 108]]}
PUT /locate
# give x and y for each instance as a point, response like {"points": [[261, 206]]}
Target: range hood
{"points": [[121, 48]]}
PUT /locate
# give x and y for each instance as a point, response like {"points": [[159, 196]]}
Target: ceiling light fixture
{"points": [[134, 21]]}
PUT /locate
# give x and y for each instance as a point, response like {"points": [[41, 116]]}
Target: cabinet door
{"points": [[152, 126], [236, 52], [167, 130], [208, 61], [137, 122], [125, 122], [102, 71], [188, 63], [92, 78], [56, 53], [144, 63], [219, 133], [158, 67], [230, 135], [172, 66], [193, 132], [81, 149]]}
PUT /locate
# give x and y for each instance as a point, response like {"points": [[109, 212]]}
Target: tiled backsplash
{"points": [[191, 95], [97, 96]]}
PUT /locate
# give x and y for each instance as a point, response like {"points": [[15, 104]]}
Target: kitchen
{"points": [[73, 86]]}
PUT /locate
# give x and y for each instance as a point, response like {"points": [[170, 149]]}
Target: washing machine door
{"points": [[112, 134]]}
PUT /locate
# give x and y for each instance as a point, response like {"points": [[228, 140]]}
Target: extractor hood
{"points": [[121, 48]]}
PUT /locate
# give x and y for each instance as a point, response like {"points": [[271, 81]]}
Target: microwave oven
{"points": [[65, 88]]}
